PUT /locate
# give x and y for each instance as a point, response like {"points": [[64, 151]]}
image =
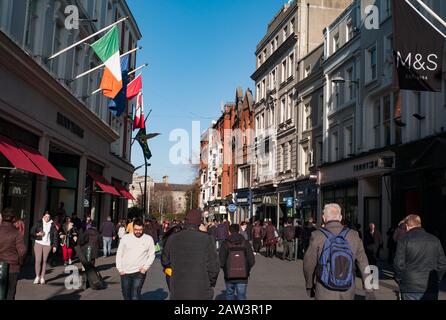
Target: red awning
{"points": [[123, 191], [41, 162], [28, 159], [103, 184]]}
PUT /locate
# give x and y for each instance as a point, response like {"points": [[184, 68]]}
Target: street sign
{"points": [[232, 207]]}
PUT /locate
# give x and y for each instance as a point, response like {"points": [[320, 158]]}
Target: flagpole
{"points": [[145, 121], [139, 68], [432, 12], [130, 73], [102, 65], [87, 38]]}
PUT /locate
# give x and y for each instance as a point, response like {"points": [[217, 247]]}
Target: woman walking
{"points": [[46, 239], [68, 236]]}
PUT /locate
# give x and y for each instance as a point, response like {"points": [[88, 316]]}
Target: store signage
{"points": [[70, 125], [222, 210], [289, 202], [242, 200], [381, 163]]}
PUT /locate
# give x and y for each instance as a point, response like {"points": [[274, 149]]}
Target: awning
{"points": [[123, 191], [27, 159], [103, 184]]}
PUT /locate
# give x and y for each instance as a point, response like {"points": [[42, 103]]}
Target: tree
{"points": [[193, 194]]}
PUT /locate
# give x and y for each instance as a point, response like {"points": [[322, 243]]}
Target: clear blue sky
{"points": [[198, 52]]}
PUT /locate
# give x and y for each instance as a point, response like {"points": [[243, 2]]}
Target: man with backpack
{"points": [[288, 235], [236, 260], [329, 262]]}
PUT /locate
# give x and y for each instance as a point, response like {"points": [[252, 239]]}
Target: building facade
{"points": [[43, 108], [295, 31]]}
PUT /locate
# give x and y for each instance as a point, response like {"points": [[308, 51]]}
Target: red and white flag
{"points": [[138, 121]]}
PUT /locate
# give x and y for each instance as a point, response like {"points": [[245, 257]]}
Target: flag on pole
{"points": [[134, 87], [138, 121], [119, 103], [418, 49], [141, 137], [107, 49]]}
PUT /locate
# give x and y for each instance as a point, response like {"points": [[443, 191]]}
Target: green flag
{"points": [[141, 136]]}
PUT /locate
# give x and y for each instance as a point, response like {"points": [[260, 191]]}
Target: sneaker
{"points": [[36, 280], [42, 280], [70, 262]]}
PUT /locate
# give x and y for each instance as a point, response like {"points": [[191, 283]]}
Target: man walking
{"points": [[288, 236], [372, 244], [12, 251], [236, 260], [420, 262], [136, 253], [192, 256], [108, 235], [257, 236], [337, 283]]}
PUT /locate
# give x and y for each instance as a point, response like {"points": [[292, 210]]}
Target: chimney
{"points": [[166, 180]]}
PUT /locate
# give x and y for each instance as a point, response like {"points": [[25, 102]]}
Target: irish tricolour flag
{"points": [[107, 49]]}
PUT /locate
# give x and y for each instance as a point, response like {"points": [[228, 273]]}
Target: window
{"points": [[257, 125], [305, 161], [262, 121], [259, 60], [386, 10], [289, 152], [282, 158], [377, 123], [397, 115], [258, 92], [334, 147], [348, 148], [31, 25], [335, 42], [272, 47], [335, 96], [307, 71], [276, 42], [290, 65], [371, 71], [307, 117], [263, 88], [349, 31], [264, 55], [282, 110], [292, 26], [272, 80], [319, 152], [285, 33], [386, 119], [283, 77], [18, 23], [290, 106], [350, 89], [320, 110]]}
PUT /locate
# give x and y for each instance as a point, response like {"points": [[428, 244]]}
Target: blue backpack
{"points": [[336, 262]]}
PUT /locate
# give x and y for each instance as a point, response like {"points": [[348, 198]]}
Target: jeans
{"points": [[232, 288], [132, 285], [10, 286], [107, 241], [418, 296]]}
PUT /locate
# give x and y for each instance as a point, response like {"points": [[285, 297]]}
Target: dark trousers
{"points": [[12, 285], [288, 249], [257, 244], [131, 285]]}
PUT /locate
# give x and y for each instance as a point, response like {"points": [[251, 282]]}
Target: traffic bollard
{"points": [[4, 275]]}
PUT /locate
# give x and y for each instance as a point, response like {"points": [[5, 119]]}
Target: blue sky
{"points": [[198, 52]]}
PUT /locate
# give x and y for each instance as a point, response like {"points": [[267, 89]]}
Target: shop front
{"points": [[243, 201], [286, 202], [361, 186], [419, 184], [306, 201]]}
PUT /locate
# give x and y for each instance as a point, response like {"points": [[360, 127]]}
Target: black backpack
{"points": [[237, 262]]}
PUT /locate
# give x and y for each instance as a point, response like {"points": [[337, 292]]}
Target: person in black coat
{"points": [[236, 240], [91, 238], [420, 262], [192, 257]]}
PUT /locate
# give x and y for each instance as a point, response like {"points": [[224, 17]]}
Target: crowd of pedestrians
{"points": [[192, 252]]}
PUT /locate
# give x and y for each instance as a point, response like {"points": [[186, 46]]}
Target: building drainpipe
{"points": [[308, 28]]}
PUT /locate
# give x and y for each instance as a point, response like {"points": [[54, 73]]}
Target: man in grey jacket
{"points": [[332, 218]]}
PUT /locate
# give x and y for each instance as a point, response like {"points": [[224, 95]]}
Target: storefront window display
{"points": [[347, 198]]}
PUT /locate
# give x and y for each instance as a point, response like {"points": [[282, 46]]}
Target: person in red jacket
{"points": [[12, 250]]}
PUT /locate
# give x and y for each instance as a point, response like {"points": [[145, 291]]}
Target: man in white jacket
{"points": [[136, 253]]}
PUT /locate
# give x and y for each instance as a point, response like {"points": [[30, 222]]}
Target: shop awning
{"points": [[41, 162], [123, 191], [103, 184], [27, 159]]}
